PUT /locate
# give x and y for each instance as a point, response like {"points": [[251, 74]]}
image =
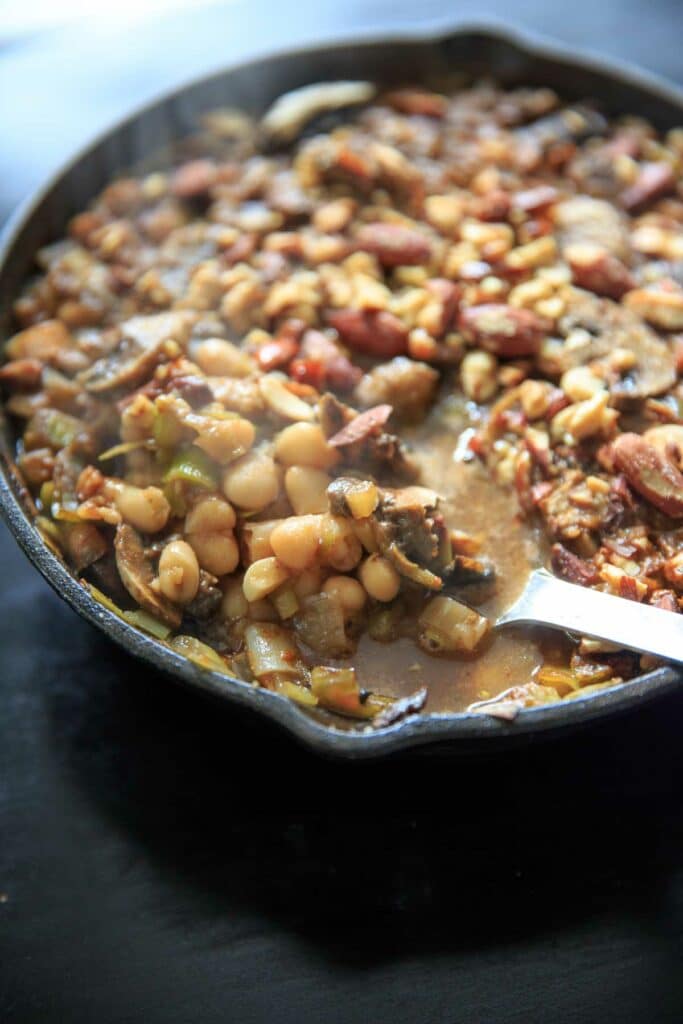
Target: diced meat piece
{"points": [[572, 568], [22, 374], [394, 245], [322, 364], [598, 271], [654, 181], [193, 179], [417, 101], [503, 330], [379, 453], [379, 334], [361, 426], [650, 473]]}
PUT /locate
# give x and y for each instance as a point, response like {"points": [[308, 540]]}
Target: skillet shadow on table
{"points": [[368, 861]]}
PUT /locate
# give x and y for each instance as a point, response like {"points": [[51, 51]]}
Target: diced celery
{"points": [[337, 690], [123, 449], [200, 653], [143, 620]]}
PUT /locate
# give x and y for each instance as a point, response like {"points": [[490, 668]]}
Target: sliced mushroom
{"points": [[290, 113], [411, 533], [583, 220], [572, 124], [135, 570], [141, 347], [410, 569], [595, 327]]}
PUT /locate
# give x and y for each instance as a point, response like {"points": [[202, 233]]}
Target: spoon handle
{"points": [[549, 601]]}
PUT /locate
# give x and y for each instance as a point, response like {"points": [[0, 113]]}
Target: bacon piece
{"points": [[650, 473], [379, 334], [193, 179], [598, 271], [532, 200], [361, 426], [572, 568], [503, 330], [666, 600], [22, 374], [654, 181], [393, 244], [417, 101], [276, 353]]}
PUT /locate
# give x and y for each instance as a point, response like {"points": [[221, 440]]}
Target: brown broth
{"points": [[475, 504]]}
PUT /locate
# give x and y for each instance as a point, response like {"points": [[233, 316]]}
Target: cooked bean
{"points": [[478, 375], [379, 578], [178, 572], [210, 514], [218, 553], [219, 358], [340, 547], [145, 508], [252, 482], [304, 444], [208, 526], [295, 542], [262, 578], [580, 383], [348, 592], [306, 489], [225, 440]]}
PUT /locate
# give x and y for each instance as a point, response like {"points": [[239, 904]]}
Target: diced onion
{"points": [[271, 651], [448, 625]]}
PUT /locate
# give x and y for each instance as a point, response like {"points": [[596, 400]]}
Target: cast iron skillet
{"points": [[481, 50]]}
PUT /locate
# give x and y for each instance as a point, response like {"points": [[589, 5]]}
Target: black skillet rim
{"points": [[464, 731]]}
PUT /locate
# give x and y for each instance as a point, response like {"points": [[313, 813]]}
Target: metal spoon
{"points": [[549, 601]]}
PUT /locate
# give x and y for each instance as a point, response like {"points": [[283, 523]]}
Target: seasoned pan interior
{"points": [[246, 88]]}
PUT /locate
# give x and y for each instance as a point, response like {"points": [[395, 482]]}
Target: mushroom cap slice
{"points": [[135, 570], [139, 350], [291, 112], [585, 220], [606, 325]]}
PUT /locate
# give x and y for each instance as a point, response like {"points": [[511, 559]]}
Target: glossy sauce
{"points": [[473, 503]]}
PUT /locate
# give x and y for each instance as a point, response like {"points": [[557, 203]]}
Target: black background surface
{"points": [[165, 860]]}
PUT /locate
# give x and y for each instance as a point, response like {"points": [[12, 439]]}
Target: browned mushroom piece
{"points": [[571, 124], [408, 386], [137, 575], [583, 220], [143, 339], [605, 326], [291, 112]]}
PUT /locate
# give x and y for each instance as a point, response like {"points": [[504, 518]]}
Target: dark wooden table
{"points": [[165, 861]]}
